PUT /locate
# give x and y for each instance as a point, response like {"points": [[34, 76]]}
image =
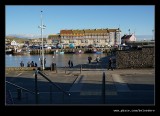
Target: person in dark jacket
{"points": [[89, 59], [28, 64], [110, 64], [22, 64], [32, 64], [71, 64], [35, 64]]}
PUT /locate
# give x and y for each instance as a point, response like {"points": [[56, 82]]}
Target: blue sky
{"points": [[25, 19]]}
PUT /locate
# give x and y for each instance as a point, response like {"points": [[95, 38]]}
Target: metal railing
{"points": [[9, 98], [36, 86], [19, 90], [15, 85], [103, 89]]}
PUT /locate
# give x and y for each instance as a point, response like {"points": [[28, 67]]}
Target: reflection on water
{"points": [[61, 60]]}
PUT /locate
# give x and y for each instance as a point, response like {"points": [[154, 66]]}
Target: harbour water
{"points": [[61, 60]]}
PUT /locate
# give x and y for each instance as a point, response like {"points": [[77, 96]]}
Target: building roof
{"points": [[78, 32], [126, 36], [114, 30], [82, 32]]}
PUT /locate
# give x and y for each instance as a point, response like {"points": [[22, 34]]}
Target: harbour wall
{"points": [[144, 58], [69, 50]]}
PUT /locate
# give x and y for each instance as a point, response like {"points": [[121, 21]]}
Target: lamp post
{"points": [[42, 27]]}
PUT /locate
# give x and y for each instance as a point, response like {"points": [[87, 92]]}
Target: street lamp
{"points": [[42, 27]]}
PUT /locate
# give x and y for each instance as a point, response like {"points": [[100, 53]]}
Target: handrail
{"points": [[103, 88], [10, 96], [20, 87], [52, 82]]}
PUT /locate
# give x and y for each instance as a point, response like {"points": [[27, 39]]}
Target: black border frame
{"points": [[80, 109]]}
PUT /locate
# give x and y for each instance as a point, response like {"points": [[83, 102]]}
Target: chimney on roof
{"points": [[129, 31]]}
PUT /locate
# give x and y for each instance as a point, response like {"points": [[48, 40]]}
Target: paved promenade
{"points": [[122, 86]]}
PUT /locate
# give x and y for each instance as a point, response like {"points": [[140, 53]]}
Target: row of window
{"points": [[80, 37], [85, 41]]}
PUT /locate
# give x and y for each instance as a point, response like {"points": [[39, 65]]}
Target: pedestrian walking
{"points": [[110, 64], [69, 63]]}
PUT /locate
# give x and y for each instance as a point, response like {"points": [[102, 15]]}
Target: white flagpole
{"points": [[42, 27]]}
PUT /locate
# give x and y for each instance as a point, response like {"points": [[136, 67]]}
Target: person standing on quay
{"points": [[89, 59], [28, 64], [44, 62], [41, 63], [97, 59], [32, 64], [110, 64], [69, 63], [35, 64], [22, 64]]}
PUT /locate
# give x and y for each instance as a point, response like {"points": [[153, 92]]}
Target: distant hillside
{"points": [[27, 36], [19, 40]]}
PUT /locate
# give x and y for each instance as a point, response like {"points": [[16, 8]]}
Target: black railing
{"points": [[20, 87], [9, 98], [103, 89], [36, 86], [43, 75], [19, 90]]}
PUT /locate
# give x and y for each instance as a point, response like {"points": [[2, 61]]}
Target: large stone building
{"points": [[86, 37]]}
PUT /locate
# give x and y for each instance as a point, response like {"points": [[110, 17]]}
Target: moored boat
{"points": [[98, 52], [79, 52], [9, 51], [22, 52]]}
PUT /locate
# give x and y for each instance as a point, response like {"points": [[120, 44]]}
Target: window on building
{"points": [[98, 40], [106, 40], [82, 41], [86, 41]]}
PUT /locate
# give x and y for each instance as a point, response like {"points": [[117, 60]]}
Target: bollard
{"points": [[19, 93], [52, 66]]}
